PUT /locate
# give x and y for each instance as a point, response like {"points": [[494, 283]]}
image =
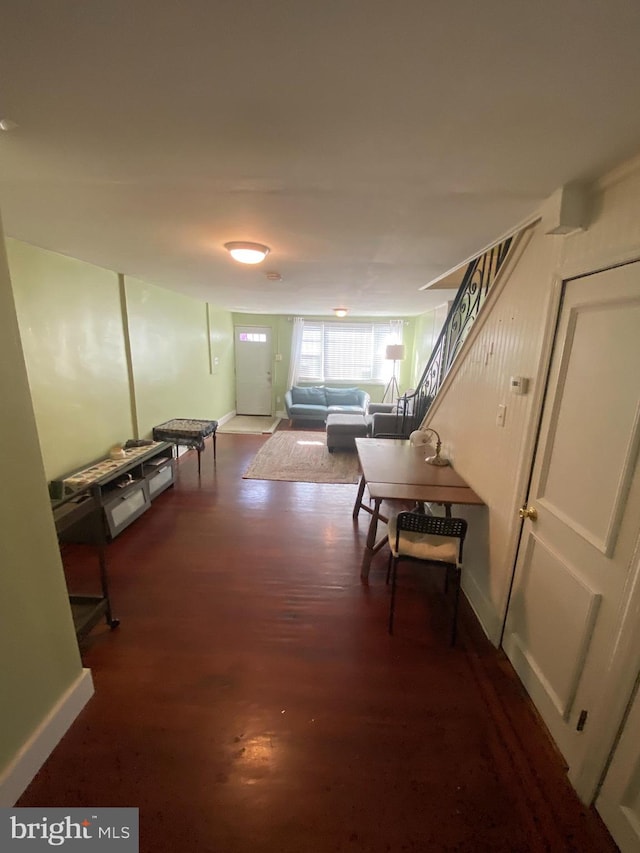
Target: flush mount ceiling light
{"points": [[340, 312], [247, 253]]}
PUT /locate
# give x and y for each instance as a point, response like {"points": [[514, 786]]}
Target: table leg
{"points": [[370, 547], [214, 448], [199, 452], [358, 503]]}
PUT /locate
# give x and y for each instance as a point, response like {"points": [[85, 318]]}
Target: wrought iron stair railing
{"points": [[477, 281]]}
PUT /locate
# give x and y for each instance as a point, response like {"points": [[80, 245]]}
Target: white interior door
{"points": [[575, 559], [253, 370], [619, 799]]}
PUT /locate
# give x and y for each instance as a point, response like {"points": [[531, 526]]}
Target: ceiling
{"points": [[374, 146]]}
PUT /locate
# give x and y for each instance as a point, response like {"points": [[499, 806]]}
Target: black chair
{"points": [[431, 540]]}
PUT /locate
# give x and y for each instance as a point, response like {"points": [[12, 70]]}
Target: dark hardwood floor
{"points": [[252, 700]]}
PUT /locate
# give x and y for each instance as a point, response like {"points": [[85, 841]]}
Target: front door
{"points": [[253, 370], [575, 557]]}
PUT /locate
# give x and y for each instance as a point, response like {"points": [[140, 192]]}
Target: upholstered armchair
{"points": [[391, 419]]}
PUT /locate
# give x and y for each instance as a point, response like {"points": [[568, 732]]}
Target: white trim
{"points": [[32, 755], [227, 417], [483, 608], [525, 465], [525, 223], [582, 268], [552, 310], [616, 691], [504, 274], [618, 173]]}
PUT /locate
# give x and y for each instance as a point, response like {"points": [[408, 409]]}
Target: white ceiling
{"points": [[373, 145]]}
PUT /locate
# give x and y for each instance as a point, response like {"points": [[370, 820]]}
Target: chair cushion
{"points": [[314, 395], [343, 397], [423, 546]]}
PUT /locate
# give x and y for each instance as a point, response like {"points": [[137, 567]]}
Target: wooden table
{"points": [[393, 469]]}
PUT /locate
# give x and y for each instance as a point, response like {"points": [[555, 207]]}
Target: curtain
{"points": [[397, 327], [296, 350]]}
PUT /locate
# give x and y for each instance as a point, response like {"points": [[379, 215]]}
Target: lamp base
{"points": [[392, 390], [437, 460]]}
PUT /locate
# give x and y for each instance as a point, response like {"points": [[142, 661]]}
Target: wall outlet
{"points": [[278, 356], [502, 414]]}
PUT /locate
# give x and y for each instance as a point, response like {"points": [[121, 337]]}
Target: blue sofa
{"points": [[314, 403]]}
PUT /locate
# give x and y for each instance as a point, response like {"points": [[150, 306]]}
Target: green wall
{"points": [[39, 657], [181, 356], [281, 329], [426, 330], [72, 334], [109, 357]]}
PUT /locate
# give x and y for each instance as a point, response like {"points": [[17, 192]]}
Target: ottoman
{"points": [[342, 430]]}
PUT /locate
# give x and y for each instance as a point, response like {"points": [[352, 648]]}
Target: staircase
{"points": [[477, 281]]}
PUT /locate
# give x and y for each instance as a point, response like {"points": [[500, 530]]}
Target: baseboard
{"points": [[227, 417], [483, 609], [15, 779]]}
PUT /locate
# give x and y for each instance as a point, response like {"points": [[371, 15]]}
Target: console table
{"points": [[188, 433], [123, 488]]}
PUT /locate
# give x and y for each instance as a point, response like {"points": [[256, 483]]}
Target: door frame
{"points": [[607, 719], [257, 327]]}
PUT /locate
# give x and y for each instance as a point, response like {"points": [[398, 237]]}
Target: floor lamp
{"points": [[395, 353]]}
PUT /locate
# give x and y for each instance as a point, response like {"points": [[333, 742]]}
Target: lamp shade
{"points": [[395, 352]]}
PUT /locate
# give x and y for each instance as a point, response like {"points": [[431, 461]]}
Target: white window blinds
{"points": [[351, 352]]}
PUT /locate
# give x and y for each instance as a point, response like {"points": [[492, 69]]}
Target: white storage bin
{"points": [[160, 479], [122, 509]]}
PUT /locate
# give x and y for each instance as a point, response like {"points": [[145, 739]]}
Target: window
{"points": [[351, 352], [252, 337]]}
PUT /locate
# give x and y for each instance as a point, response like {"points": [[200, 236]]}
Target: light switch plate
{"points": [[502, 414]]}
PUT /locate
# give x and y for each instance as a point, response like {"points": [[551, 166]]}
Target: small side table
{"points": [[188, 433]]}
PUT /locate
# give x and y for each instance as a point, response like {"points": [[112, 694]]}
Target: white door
{"points": [[619, 799], [574, 560], [253, 370]]}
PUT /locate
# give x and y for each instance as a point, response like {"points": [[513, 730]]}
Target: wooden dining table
{"points": [[395, 470]]}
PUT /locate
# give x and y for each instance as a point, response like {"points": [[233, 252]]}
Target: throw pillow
{"points": [[343, 397], [312, 396]]}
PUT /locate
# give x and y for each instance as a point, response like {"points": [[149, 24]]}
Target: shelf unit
{"points": [[123, 488], [96, 503]]}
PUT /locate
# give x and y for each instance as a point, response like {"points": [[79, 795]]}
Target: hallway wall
{"points": [[39, 660], [108, 356], [512, 337]]}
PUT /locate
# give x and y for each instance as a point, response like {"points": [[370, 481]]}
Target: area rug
{"points": [[302, 457], [250, 424]]}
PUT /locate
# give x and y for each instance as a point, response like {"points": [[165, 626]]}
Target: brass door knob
{"points": [[529, 512]]}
